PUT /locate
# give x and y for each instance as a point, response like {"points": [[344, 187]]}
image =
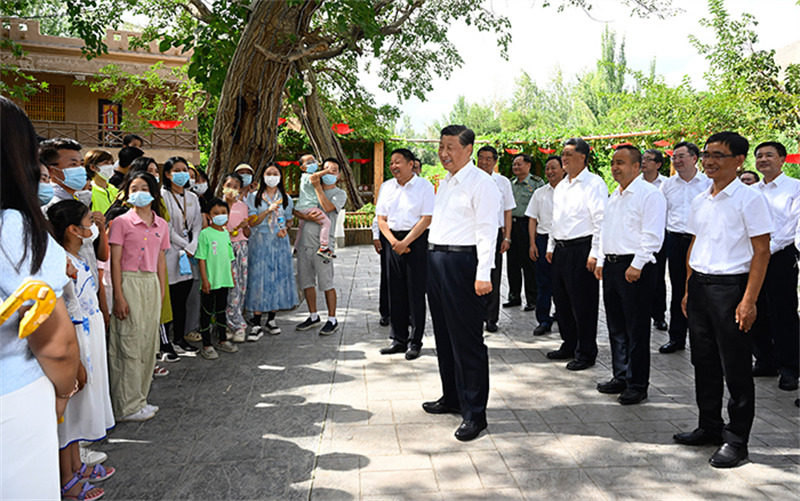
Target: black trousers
{"points": [[212, 306], [721, 351], [677, 245], [576, 294], [178, 295], [659, 303], [457, 314], [519, 265], [408, 279], [628, 319], [776, 331], [493, 298], [383, 297], [544, 283]]}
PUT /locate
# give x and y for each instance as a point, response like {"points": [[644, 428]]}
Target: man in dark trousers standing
{"points": [[652, 161], [460, 256], [727, 261]]}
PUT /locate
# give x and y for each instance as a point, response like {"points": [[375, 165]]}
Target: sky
{"points": [[544, 40]]}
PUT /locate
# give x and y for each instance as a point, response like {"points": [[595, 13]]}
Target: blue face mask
{"points": [[140, 198], [311, 168], [180, 178], [329, 179], [220, 219], [45, 193], [74, 177], [246, 179]]}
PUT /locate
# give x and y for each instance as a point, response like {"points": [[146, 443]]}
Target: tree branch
{"points": [[203, 12], [394, 27]]}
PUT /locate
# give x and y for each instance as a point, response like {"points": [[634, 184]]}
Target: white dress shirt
{"points": [[507, 201], [679, 195], [540, 208], [404, 205], [658, 181], [723, 226], [578, 207], [466, 214], [634, 222], [783, 197]]}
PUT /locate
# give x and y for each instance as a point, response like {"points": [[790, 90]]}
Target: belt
{"points": [[452, 248], [687, 236], [574, 241], [705, 278], [618, 258]]}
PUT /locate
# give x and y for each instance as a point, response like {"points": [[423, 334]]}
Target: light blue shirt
{"points": [[253, 210], [18, 367]]}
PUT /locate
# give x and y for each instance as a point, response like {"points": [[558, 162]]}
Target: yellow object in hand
{"points": [[44, 302]]}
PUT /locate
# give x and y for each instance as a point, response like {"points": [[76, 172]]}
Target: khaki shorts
{"points": [[312, 271]]}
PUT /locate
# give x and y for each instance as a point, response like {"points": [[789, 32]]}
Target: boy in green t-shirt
{"points": [[214, 255]]}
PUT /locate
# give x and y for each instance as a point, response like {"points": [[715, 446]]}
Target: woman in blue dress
{"points": [[270, 281]]}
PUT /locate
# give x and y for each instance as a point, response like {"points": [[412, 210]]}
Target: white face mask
{"points": [[84, 197], [272, 181], [105, 171], [200, 188], [95, 234]]}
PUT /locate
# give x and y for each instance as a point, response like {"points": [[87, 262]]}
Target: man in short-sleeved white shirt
{"points": [[728, 257], [487, 160]]}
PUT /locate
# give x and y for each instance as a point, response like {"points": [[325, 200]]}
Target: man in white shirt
{"points": [[633, 231], [404, 213], [728, 257], [460, 256], [652, 161], [487, 160], [679, 191], [777, 329], [578, 205], [540, 220]]}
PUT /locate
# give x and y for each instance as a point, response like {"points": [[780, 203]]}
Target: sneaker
{"points": [[91, 458], [153, 408], [142, 414], [227, 347], [326, 253], [239, 336], [256, 333], [193, 336], [182, 347], [307, 324], [329, 328], [209, 353], [159, 371], [169, 357], [272, 327]]}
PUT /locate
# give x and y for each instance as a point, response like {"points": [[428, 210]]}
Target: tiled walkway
{"points": [[299, 416]]}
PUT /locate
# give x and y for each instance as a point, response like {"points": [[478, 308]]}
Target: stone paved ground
{"points": [[299, 416]]}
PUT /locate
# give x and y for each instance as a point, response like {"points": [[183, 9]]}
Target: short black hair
{"points": [[128, 154], [64, 214], [466, 137], [758, 178], [781, 149], [525, 158], [407, 154], [235, 176], [334, 160], [48, 149], [738, 144], [581, 146], [490, 149], [556, 158], [129, 138], [636, 154], [168, 166], [216, 202], [658, 157], [693, 149]]}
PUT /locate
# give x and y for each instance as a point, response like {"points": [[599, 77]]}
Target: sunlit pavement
{"points": [[301, 416]]}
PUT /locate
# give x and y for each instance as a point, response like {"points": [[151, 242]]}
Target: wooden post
{"points": [[377, 176]]}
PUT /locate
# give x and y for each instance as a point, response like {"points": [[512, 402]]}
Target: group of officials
{"points": [[719, 237]]}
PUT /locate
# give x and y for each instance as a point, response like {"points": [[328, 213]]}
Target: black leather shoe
{"points": [[438, 407], [541, 330], [529, 307], [395, 347], [412, 353], [579, 365], [787, 382], [698, 436], [761, 371], [728, 456], [384, 321], [631, 396], [660, 325], [559, 355], [671, 347], [491, 327], [612, 386], [469, 430], [512, 302]]}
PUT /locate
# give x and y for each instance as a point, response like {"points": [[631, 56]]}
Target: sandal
{"points": [[83, 495], [159, 371], [98, 473]]}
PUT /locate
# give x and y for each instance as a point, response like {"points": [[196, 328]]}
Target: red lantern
{"points": [[361, 161], [668, 152], [662, 143], [295, 162], [512, 151], [165, 124], [794, 158], [281, 121], [341, 128], [284, 163], [547, 151], [615, 146]]}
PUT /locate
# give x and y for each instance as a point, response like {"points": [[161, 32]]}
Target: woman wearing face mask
{"points": [[239, 229], [185, 224], [246, 172], [270, 283], [99, 165]]}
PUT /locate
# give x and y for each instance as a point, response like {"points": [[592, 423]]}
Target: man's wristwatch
{"points": [[507, 240]]}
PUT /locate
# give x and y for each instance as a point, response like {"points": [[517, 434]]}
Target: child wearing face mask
{"points": [[239, 230], [307, 200], [215, 257], [99, 165]]}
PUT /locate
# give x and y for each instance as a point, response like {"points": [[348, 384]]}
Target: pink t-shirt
{"points": [[140, 243], [237, 215]]}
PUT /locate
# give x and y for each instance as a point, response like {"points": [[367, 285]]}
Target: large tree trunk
{"points": [[245, 127]]}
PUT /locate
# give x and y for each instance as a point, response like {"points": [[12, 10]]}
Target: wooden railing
{"points": [[95, 134], [358, 220]]}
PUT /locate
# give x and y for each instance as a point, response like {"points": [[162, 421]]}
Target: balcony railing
{"points": [[95, 134]]}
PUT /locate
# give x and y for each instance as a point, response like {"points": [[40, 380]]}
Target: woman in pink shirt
{"points": [[239, 229], [138, 240]]}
